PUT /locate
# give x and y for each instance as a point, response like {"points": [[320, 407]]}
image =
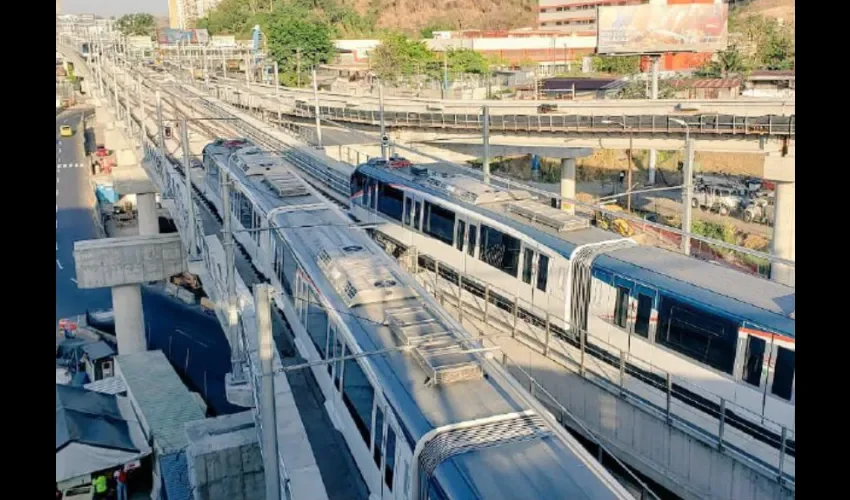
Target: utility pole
{"points": [[247, 70], [629, 181], [445, 73], [277, 93], [190, 207], [381, 116], [653, 96], [318, 118], [268, 412], [206, 68], [298, 65], [161, 140], [142, 117], [230, 265], [485, 164], [688, 194], [127, 118]]}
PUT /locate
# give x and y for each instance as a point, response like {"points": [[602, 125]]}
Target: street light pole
{"points": [[485, 163], [190, 206]]}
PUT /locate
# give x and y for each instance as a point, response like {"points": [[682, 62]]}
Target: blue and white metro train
{"points": [[719, 329], [433, 417]]}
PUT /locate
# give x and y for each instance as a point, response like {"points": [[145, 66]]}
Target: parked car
{"points": [[761, 210]]}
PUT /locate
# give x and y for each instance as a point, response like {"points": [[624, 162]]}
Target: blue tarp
{"points": [[106, 194]]}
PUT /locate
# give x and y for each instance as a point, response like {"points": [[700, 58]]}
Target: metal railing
{"points": [[566, 123], [170, 177], [590, 357]]}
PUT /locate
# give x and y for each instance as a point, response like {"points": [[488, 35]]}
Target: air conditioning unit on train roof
{"points": [[357, 274], [472, 190]]}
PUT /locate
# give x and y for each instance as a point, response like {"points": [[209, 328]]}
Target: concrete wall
{"points": [[224, 459], [678, 458]]}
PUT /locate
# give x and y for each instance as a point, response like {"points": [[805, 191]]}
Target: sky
{"points": [[113, 7]]}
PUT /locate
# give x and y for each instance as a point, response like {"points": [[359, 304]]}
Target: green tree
{"points": [[466, 61], [293, 31], [724, 63], [136, 24], [637, 89], [230, 17], [398, 55], [616, 65]]}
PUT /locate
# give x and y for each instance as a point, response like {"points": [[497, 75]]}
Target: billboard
{"points": [[170, 36], [654, 29]]}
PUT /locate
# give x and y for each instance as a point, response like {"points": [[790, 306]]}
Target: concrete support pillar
{"points": [[784, 232], [653, 158], [129, 318], [568, 184], [148, 217]]}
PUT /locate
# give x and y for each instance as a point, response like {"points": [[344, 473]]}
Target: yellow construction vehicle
{"points": [[610, 222]]}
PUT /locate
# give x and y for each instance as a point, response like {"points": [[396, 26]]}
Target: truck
{"points": [[721, 199]]}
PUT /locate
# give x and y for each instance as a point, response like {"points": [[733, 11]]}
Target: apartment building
{"points": [[579, 16], [183, 14]]}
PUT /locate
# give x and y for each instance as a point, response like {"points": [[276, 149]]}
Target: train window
{"points": [[317, 321], [527, 262], [783, 373], [473, 235], [379, 435], [326, 349], [621, 307], [246, 213], [390, 201], [499, 250], [358, 396], [389, 468], [702, 336], [439, 223], [339, 349], [356, 183], [408, 211], [459, 235], [417, 214], [644, 313], [435, 492], [542, 272], [754, 361], [289, 266]]}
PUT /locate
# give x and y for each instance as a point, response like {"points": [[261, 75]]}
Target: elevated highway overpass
{"points": [[743, 107]]}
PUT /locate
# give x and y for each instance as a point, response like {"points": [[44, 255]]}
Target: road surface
{"points": [[74, 218], [171, 326]]}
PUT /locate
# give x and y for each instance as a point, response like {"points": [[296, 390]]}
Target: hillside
{"points": [[777, 9], [413, 15]]}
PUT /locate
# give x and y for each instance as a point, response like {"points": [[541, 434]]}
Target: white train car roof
{"points": [[439, 380]]}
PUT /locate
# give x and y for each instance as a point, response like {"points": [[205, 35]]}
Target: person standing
{"points": [[121, 483], [99, 486]]}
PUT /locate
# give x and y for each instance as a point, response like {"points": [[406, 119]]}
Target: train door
{"points": [[461, 227], [407, 219], [527, 273], [768, 365], [642, 332], [391, 452]]}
